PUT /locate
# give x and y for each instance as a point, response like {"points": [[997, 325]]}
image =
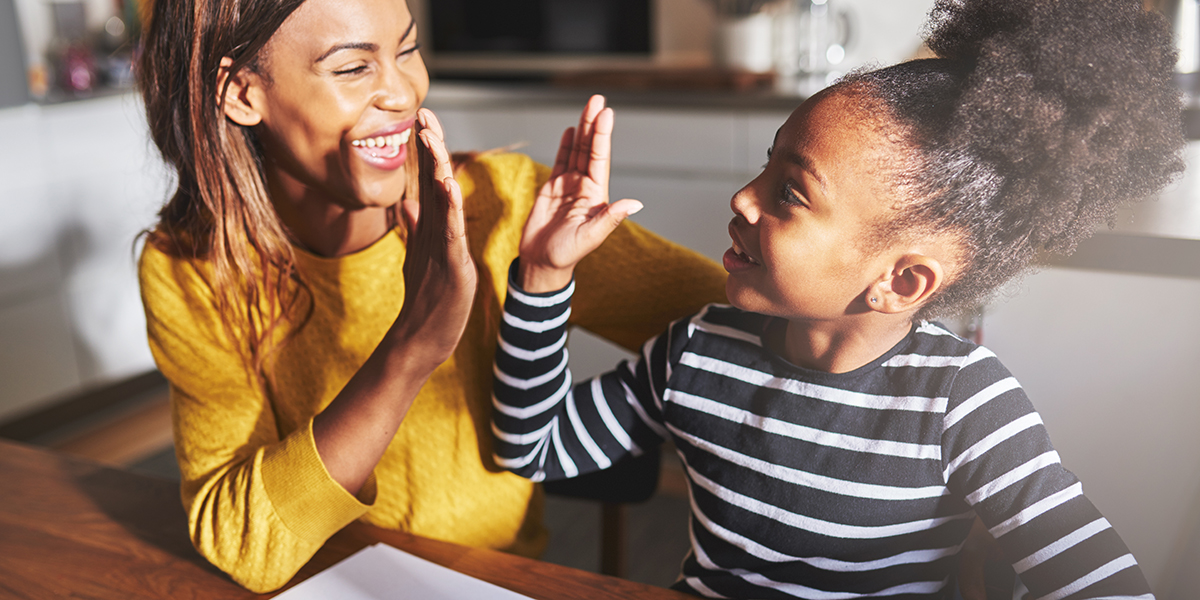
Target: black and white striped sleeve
{"points": [[997, 455], [546, 428]]}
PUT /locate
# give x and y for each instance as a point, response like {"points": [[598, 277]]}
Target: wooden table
{"points": [[72, 528]]}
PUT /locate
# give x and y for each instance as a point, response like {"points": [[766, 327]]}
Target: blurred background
{"points": [[1106, 342]]}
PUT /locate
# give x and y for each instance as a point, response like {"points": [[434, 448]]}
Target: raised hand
{"points": [[352, 433], [572, 216], [439, 274]]}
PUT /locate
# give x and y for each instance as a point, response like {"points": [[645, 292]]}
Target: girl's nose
{"points": [[745, 203]]}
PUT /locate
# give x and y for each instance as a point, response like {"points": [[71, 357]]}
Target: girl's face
{"points": [[799, 228], [343, 82]]}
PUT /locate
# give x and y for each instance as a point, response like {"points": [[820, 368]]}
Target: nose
{"points": [[396, 90], [745, 203]]}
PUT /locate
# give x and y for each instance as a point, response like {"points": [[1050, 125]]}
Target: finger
{"points": [[600, 153], [432, 121], [425, 176], [443, 167], [456, 223], [603, 224], [433, 207], [563, 157], [581, 149]]}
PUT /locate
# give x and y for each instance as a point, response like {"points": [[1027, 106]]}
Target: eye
{"points": [[791, 196], [351, 70], [407, 52]]}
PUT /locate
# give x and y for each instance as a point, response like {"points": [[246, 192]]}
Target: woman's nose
{"points": [[396, 92]]}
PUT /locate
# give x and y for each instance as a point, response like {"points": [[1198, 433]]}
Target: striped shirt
{"points": [[811, 484]]}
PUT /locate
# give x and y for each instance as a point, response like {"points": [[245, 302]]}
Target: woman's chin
{"points": [[382, 193]]}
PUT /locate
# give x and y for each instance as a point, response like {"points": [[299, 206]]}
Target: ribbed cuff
{"points": [[306, 498]]}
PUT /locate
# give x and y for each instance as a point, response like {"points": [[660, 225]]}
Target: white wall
{"points": [[78, 181], [1112, 362]]}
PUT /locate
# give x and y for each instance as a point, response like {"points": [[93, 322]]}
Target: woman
{"points": [[306, 302]]}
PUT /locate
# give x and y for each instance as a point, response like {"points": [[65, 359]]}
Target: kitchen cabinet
{"points": [[78, 181]]}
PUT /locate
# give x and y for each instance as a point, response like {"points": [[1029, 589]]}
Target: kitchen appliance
{"points": [[524, 37]]}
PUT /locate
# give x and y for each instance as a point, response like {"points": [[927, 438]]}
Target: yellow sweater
{"points": [[259, 500]]}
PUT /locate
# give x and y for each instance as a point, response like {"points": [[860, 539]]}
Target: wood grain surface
{"points": [[71, 528]]}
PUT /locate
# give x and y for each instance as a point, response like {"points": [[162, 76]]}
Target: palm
{"points": [[571, 215]]}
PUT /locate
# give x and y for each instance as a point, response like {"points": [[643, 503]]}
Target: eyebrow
{"points": [[369, 47], [806, 163]]}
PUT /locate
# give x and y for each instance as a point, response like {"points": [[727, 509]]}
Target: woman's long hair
{"points": [[221, 211]]}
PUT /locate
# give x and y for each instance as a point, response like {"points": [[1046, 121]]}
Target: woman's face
{"points": [[341, 84]]}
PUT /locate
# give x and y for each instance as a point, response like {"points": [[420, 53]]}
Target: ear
{"points": [[913, 280], [243, 101]]}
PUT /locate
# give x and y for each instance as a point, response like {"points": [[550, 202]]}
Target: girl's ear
{"points": [[243, 102], [913, 280]]}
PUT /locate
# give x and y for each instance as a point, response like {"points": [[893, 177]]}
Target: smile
{"points": [[742, 254], [390, 145]]}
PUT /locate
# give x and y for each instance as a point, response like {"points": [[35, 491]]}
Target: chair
{"points": [[629, 480]]}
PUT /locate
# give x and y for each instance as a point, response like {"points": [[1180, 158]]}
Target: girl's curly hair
{"points": [[1036, 120]]}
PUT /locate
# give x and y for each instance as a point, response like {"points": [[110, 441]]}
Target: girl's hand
{"points": [[439, 274], [571, 215]]}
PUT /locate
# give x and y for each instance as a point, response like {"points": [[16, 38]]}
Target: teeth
{"points": [[394, 140], [742, 254]]}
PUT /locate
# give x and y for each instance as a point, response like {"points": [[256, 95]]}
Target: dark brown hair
{"points": [[1035, 122], [221, 211]]}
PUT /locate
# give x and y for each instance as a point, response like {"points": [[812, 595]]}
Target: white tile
{"points": [[543, 127], [95, 136], [30, 218], [760, 134], [479, 128], [106, 315], [37, 356], [692, 212], [22, 147], [689, 141], [36, 275]]}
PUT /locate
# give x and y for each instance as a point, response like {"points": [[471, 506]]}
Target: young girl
{"points": [[836, 443]]}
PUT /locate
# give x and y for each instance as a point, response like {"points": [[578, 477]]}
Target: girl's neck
{"points": [[840, 349]]}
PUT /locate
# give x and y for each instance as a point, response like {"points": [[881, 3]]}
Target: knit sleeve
{"points": [[998, 457], [548, 428], [259, 506]]}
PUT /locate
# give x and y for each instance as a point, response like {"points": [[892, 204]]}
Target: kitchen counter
{"points": [[1155, 237]]}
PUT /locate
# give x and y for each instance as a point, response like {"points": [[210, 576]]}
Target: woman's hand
{"points": [[352, 433], [571, 216], [439, 274]]}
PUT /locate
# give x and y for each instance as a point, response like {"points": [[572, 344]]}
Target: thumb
{"points": [[624, 207], [612, 217]]}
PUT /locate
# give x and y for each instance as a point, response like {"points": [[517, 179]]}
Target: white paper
{"points": [[381, 571]]}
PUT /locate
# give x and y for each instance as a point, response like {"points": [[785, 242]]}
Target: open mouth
{"points": [[384, 146], [741, 254]]}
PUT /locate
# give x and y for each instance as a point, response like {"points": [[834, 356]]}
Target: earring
{"points": [[874, 300]]}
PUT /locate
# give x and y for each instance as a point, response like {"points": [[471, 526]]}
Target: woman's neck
{"points": [[324, 227], [838, 348]]}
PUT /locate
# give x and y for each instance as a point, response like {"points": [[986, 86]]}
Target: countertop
{"points": [[1158, 236], [1155, 237]]}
